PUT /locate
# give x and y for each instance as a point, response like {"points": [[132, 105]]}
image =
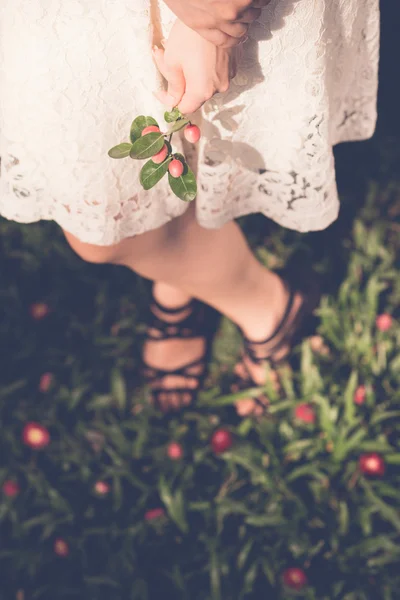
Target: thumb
{"points": [[175, 79]]}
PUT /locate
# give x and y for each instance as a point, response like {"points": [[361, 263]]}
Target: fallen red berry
{"points": [[61, 547], [192, 133], [175, 451], [160, 156], [360, 394], [45, 382], [305, 412], [155, 513], [150, 129], [221, 440], [10, 488], [294, 578], [372, 464], [102, 488], [175, 168], [36, 436], [39, 310], [384, 322]]}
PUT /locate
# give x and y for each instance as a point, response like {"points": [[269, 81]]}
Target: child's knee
{"points": [[91, 252]]}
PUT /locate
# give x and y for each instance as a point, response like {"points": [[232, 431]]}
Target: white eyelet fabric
{"points": [[74, 74]]}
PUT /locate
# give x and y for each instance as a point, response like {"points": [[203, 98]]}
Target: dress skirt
{"points": [[74, 75]]}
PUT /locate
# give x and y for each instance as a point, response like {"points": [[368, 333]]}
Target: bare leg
{"points": [[215, 266]]}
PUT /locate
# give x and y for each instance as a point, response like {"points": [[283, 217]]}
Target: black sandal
{"points": [[299, 327], [198, 320]]}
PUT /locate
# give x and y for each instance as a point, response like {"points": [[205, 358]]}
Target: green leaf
{"points": [[392, 459], [306, 470], [147, 146], [173, 115], [269, 571], [43, 519], [250, 578], [118, 388], [231, 398], [379, 417], [344, 447], [264, 520], [311, 379], [350, 409], [244, 553], [152, 173], [227, 506], [244, 427], [174, 504], [242, 458], [139, 124], [327, 414], [215, 577], [387, 512], [298, 446], [343, 518], [177, 126], [100, 401], [120, 151], [185, 186]]}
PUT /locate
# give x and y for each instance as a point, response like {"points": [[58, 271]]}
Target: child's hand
{"points": [[222, 22], [194, 68]]}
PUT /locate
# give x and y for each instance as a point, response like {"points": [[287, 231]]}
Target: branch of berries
{"points": [[147, 141]]}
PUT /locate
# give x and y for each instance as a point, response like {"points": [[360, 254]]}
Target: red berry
{"points": [[175, 451], [384, 322], [360, 394], [101, 487], [175, 168], [39, 310], [192, 133], [160, 156], [10, 488], [155, 513], [294, 578], [372, 464], [45, 382], [61, 547], [35, 435], [150, 129], [221, 440], [304, 412]]}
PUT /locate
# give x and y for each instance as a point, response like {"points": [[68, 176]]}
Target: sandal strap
{"points": [[158, 373], [191, 325], [249, 344], [294, 331], [156, 392], [172, 311], [201, 322]]}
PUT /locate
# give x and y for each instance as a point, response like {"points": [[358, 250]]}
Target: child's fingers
{"points": [[195, 94], [174, 77], [191, 101]]}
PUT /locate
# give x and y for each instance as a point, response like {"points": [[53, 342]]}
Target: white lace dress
{"points": [[74, 74]]}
